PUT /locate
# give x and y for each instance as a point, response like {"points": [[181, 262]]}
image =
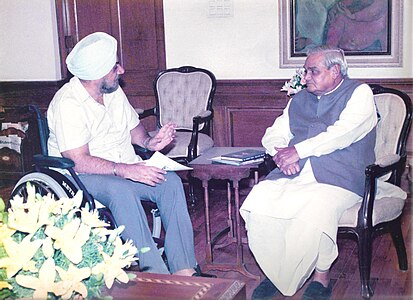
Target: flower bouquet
{"points": [[53, 249], [296, 83]]}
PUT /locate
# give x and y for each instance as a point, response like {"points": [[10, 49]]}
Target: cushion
{"points": [[385, 209]]}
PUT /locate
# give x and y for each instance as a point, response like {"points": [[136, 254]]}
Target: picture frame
{"points": [[382, 49]]}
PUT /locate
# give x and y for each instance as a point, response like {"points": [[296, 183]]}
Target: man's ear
{"points": [[336, 70]]}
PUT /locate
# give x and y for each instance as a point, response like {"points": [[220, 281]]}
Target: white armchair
{"points": [[372, 215]]}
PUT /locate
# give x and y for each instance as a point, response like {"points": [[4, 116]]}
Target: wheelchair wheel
{"points": [[50, 181], [44, 184], [59, 186]]}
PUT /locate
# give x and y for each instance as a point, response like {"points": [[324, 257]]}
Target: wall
{"points": [[245, 45], [242, 46], [29, 47]]}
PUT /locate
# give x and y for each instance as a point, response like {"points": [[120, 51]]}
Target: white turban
{"points": [[93, 56]]}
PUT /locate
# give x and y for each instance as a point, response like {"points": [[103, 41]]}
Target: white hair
{"points": [[332, 56]]}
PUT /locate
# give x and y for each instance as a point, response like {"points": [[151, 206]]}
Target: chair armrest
{"points": [[43, 161], [53, 162], [145, 113], [143, 152], [202, 117], [373, 173], [205, 113], [384, 165]]}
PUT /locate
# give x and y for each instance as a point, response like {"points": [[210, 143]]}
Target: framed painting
{"points": [[369, 31]]}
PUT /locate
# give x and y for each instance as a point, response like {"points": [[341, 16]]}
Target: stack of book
{"points": [[240, 158]]}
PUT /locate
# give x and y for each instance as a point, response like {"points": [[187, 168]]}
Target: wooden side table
{"points": [[171, 287], [205, 170]]}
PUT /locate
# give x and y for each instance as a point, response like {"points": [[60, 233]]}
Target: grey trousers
{"points": [[123, 197]]}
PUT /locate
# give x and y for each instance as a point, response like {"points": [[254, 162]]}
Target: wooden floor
{"points": [[387, 280]]}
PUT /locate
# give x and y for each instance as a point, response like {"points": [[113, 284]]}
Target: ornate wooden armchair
{"points": [[184, 96], [371, 216]]}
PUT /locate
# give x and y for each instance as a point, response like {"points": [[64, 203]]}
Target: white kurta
{"points": [[292, 223]]}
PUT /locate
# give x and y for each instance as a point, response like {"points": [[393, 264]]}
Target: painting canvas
{"points": [[369, 31]]}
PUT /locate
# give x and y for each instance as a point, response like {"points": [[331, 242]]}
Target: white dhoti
{"points": [[292, 226]]}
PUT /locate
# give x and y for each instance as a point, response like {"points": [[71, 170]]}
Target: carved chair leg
{"points": [[364, 253], [397, 237]]}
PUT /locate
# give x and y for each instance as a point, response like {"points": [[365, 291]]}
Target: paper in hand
{"points": [[165, 163]]}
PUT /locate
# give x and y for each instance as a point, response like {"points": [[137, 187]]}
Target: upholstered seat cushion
{"points": [[385, 209], [179, 147]]}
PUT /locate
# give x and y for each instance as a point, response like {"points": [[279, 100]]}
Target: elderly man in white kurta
{"points": [[321, 144]]}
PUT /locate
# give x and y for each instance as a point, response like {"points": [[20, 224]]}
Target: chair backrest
{"points": [[42, 127], [183, 93], [395, 117]]}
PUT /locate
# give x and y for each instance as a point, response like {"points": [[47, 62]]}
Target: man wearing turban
{"points": [[92, 123]]}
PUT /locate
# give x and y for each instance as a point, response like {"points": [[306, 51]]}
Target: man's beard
{"points": [[107, 89]]}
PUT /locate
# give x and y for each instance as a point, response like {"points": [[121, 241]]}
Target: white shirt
{"points": [[76, 119]]}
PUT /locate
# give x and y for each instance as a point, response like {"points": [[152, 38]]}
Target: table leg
{"points": [[238, 223], [208, 257], [235, 228], [230, 222], [231, 238], [240, 255]]}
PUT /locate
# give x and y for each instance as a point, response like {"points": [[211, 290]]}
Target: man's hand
{"points": [[85, 163], [291, 169], [287, 160], [165, 135], [141, 173]]}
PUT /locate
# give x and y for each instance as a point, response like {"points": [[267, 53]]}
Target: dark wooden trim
{"points": [[272, 87], [231, 93], [13, 86], [21, 93], [266, 93]]}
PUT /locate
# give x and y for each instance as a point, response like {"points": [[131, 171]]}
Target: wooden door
{"points": [[138, 27]]}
